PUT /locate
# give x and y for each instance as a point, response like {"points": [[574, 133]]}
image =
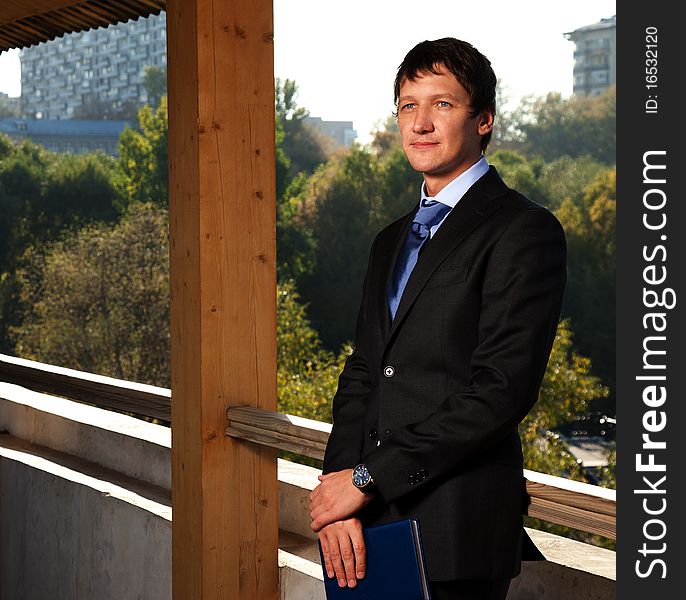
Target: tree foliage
{"points": [[386, 136], [100, 108], [519, 173], [567, 177], [143, 159], [567, 389], [98, 300], [307, 373], [589, 223], [305, 147], [553, 126], [41, 194]]}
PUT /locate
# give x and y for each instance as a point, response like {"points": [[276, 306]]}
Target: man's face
{"points": [[439, 138]]}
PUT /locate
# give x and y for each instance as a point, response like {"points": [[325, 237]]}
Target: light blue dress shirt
{"points": [[452, 193]]}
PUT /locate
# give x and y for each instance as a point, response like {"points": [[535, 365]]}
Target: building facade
{"points": [[62, 135], [95, 69], [595, 57], [341, 133]]}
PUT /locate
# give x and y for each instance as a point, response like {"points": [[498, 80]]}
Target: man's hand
{"points": [[336, 498], [345, 554]]}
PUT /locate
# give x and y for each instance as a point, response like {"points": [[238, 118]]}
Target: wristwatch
{"points": [[362, 480]]}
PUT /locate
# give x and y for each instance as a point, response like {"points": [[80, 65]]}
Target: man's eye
{"points": [[408, 105], [444, 103]]}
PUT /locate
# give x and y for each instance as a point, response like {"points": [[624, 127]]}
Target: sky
{"points": [[344, 55]]}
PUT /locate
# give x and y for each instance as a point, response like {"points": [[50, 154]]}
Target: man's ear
{"points": [[485, 122]]}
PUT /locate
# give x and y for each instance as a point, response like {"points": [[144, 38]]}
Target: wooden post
{"points": [[223, 295]]}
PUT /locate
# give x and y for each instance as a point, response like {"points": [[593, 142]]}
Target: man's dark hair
{"points": [[471, 68]]}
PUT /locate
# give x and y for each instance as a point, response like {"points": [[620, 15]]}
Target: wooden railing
{"points": [[98, 390], [555, 499]]}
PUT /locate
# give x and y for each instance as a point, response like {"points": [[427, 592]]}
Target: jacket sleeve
{"points": [[520, 308], [344, 448]]}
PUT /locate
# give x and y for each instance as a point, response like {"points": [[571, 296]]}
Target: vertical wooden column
{"points": [[223, 278]]}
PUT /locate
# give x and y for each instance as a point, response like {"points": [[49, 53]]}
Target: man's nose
{"points": [[422, 121]]}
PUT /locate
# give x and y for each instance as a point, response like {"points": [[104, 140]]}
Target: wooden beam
{"points": [[101, 391], [223, 295], [285, 432]]}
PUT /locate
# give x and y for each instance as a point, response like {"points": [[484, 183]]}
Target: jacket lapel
{"points": [[476, 205], [387, 255]]}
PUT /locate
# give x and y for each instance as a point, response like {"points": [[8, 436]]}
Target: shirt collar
{"points": [[453, 192]]}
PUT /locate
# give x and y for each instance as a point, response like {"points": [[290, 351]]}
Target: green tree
{"points": [[295, 248], [341, 207], [589, 224], [98, 300], [567, 389], [304, 146], [142, 169], [518, 172], [41, 194], [567, 177], [506, 134], [400, 185], [307, 373], [553, 126], [386, 136], [97, 107]]}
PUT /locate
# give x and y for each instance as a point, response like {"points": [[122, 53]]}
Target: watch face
{"points": [[361, 476]]}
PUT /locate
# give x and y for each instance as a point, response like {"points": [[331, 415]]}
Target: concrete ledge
{"points": [[299, 578], [295, 484], [115, 441]]}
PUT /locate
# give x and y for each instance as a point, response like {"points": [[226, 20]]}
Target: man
{"points": [[459, 310]]}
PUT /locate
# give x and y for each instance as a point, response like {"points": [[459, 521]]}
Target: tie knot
{"points": [[430, 213]]}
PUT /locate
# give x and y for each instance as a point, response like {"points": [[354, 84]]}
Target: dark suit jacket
{"points": [[444, 386]]}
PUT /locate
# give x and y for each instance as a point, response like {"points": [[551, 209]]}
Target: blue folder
{"points": [[396, 568]]}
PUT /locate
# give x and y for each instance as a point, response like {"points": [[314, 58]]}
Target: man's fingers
{"points": [[315, 514], [336, 560], [348, 556], [322, 517], [344, 551], [359, 547], [317, 507], [327, 556]]}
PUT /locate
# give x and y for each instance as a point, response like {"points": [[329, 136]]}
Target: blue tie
{"points": [[430, 213]]}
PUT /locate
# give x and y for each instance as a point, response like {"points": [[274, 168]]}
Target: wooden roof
{"points": [[28, 22]]}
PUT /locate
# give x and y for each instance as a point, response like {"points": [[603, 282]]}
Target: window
{"points": [[599, 77]]}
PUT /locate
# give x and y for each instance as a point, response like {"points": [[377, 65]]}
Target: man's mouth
{"points": [[421, 145]]}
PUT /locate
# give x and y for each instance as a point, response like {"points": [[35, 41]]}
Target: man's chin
{"points": [[422, 164]]}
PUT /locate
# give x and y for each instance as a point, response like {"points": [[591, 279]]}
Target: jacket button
{"points": [[389, 371], [372, 433], [388, 432], [412, 479]]}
